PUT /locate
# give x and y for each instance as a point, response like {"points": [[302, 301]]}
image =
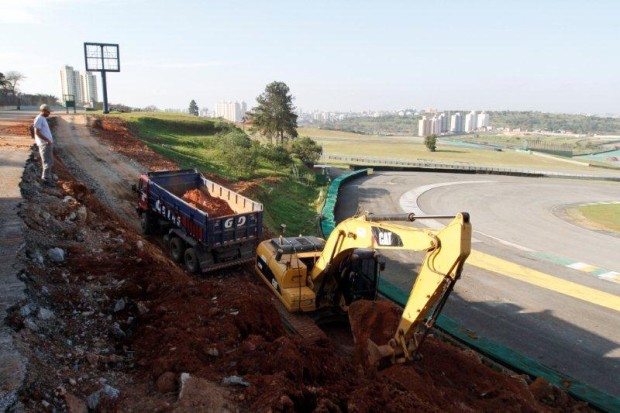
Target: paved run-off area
{"points": [[14, 150]]}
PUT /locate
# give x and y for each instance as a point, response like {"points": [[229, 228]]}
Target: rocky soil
{"points": [[111, 324]]}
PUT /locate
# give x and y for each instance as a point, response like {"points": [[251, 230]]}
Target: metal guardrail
{"points": [[460, 166]]}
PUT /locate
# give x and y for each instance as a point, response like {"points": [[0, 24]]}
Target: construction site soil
{"points": [[111, 324], [202, 200]]}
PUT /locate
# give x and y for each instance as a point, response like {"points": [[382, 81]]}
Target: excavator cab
{"points": [[360, 275]]}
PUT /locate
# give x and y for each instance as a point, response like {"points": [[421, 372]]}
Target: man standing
{"points": [[44, 139]]}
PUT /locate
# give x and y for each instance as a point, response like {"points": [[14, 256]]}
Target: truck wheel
{"points": [[191, 261], [145, 224], [177, 246]]}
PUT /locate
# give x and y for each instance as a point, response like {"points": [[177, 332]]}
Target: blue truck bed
{"points": [[218, 241]]}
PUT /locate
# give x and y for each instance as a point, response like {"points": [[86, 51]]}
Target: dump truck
{"points": [[200, 239], [309, 274]]}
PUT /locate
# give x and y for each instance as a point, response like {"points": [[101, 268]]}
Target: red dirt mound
{"points": [[114, 132]]}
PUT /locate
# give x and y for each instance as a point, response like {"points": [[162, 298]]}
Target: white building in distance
{"points": [[456, 123], [483, 121], [83, 86], [89, 89], [70, 84], [445, 122], [436, 125], [232, 111], [424, 127], [470, 121]]}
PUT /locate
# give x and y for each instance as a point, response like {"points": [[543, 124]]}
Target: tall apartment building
{"points": [[232, 111], [444, 123], [424, 127], [70, 84], [83, 86], [456, 123], [436, 125], [483, 120], [470, 121], [89, 89]]}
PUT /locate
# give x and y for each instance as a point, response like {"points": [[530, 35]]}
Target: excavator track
{"points": [[299, 323]]}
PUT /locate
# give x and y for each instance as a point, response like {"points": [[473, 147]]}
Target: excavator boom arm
{"points": [[446, 252], [364, 232], [439, 271]]}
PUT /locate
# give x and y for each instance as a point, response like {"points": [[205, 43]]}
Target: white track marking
{"points": [[409, 201]]}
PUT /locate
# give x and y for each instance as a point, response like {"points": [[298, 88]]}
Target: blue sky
{"points": [[546, 55]]}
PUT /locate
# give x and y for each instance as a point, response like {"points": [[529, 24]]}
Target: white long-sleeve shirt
{"points": [[40, 123]]}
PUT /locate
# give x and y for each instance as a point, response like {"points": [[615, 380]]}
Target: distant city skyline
{"points": [[552, 56]]}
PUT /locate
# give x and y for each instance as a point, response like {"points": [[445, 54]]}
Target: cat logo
{"points": [[386, 238]]}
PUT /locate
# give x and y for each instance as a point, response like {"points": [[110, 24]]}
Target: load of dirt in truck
{"points": [[114, 325], [215, 207]]}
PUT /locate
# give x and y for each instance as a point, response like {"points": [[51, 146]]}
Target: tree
{"points": [[431, 142], [193, 108], [3, 81], [150, 108], [11, 82], [307, 150], [119, 107], [274, 116], [239, 153], [276, 155]]}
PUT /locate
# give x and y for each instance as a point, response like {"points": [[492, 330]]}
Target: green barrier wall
{"points": [[501, 354], [328, 221]]}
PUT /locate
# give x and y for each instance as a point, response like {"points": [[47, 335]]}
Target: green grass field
{"points": [[605, 215], [412, 148], [192, 143]]}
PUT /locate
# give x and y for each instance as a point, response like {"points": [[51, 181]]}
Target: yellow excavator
{"points": [[309, 274]]}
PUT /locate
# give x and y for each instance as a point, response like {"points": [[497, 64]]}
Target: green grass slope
{"points": [[193, 142]]}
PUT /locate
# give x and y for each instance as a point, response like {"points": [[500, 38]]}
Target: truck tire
{"points": [[177, 246], [146, 223], [191, 261]]}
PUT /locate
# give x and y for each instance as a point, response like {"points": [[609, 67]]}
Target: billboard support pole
{"points": [[106, 108]]}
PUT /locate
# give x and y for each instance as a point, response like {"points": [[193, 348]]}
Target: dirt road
{"points": [[107, 173]]}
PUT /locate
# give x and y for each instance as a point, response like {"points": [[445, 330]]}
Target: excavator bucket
{"points": [[379, 354], [373, 324]]}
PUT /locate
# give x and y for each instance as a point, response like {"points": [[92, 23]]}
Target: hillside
{"points": [[227, 155]]}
